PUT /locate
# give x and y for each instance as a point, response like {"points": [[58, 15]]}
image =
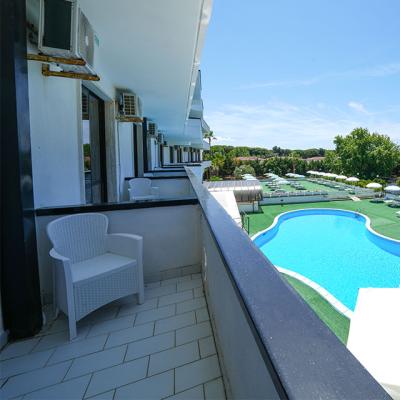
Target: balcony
{"points": [[218, 321]]}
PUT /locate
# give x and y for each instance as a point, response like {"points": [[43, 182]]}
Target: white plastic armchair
{"points": [[141, 189], [92, 268]]}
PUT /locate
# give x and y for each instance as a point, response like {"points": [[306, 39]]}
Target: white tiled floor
{"points": [[163, 348]]}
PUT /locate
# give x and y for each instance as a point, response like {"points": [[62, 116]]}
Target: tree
{"points": [[332, 162], [367, 154], [243, 169], [294, 158], [210, 137], [217, 162]]}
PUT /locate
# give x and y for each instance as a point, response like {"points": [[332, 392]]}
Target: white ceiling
{"points": [[151, 47]]}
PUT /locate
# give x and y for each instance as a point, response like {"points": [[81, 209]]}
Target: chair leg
{"points": [[141, 295], [72, 328]]}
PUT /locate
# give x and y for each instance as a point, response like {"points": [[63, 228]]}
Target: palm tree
{"points": [[210, 137]]}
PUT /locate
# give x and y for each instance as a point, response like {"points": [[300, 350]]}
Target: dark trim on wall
{"points": [[161, 155], [128, 178], [145, 155], [135, 151], [103, 156], [20, 290], [86, 208], [304, 358]]}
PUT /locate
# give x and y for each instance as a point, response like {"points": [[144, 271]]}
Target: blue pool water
{"points": [[335, 249]]}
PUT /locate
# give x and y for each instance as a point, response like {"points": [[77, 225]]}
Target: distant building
{"points": [[314, 159]]}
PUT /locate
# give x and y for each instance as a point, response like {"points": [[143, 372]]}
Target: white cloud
{"points": [[293, 126], [376, 71], [357, 106]]}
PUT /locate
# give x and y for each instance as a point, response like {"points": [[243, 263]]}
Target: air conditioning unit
{"points": [[160, 138], [129, 105], [152, 129], [64, 31]]}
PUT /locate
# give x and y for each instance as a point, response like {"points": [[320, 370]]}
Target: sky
{"points": [[296, 73]]}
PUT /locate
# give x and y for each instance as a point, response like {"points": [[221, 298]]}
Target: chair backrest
{"points": [[79, 236], [140, 187]]}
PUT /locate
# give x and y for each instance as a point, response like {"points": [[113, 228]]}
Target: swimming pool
{"points": [[336, 249]]}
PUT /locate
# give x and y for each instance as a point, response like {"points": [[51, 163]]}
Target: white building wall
{"points": [[126, 155], [153, 153], [57, 154], [166, 155]]}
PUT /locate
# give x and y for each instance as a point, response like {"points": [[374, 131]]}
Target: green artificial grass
{"points": [[383, 218], [337, 322]]}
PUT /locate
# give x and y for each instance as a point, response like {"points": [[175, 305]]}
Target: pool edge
{"points": [[367, 222], [332, 300]]}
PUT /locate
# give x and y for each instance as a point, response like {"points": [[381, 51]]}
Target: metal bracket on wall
{"points": [[130, 119], [56, 60], [67, 74]]}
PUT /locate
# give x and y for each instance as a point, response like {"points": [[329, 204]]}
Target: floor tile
{"points": [[78, 349], [116, 355], [104, 313], [34, 380], [130, 335], [111, 378], [173, 358], [25, 363], [176, 322], [18, 349], [73, 389], [191, 269], [59, 325], [133, 308], [160, 291], [151, 285], [111, 325], [96, 361], [103, 396], [194, 283], [60, 338], [175, 280], [196, 393], [190, 305], [153, 315], [193, 332], [196, 373], [214, 390], [175, 298], [150, 345], [202, 315], [155, 387], [207, 347]]}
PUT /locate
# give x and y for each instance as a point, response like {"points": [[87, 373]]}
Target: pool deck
{"points": [[383, 218], [374, 335]]}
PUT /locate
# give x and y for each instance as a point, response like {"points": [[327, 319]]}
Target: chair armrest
{"points": [[155, 190], [125, 244], [58, 257]]}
